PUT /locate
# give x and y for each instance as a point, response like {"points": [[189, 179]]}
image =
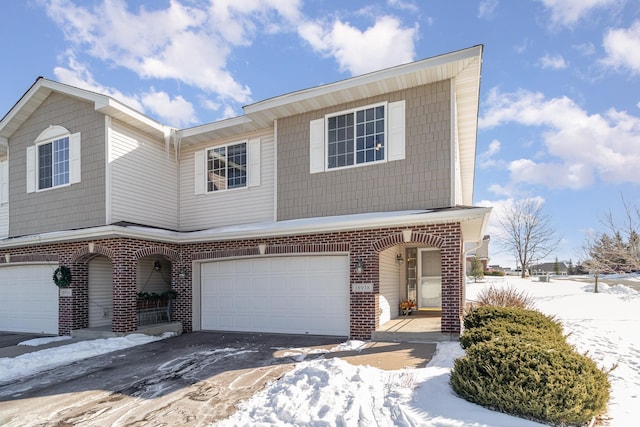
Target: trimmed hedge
{"points": [[481, 316], [531, 380], [500, 329], [517, 361]]}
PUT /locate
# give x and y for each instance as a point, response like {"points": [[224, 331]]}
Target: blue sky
{"points": [[560, 96]]}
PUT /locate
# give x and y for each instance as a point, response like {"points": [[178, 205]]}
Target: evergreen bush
{"points": [[542, 381], [481, 316], [500, 329]]}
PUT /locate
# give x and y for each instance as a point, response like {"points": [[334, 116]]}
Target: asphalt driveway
{"points": [[187, 380]]}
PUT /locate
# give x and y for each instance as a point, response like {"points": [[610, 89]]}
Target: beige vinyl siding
{"points": [[143, 179], [151, 281], [389, 285], [232, 207], [421, 180], [74, 206]]}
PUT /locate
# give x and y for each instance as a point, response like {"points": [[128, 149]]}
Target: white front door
{"points": [[287, 294], [430, 278], [100, 292]]}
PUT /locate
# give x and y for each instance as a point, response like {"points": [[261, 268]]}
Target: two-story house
{"points": [[314, 212]]}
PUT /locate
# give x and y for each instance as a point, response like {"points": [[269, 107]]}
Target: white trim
{"points": [[108, 147], [275, 169], [317, 157], [476, 215], [4, 181], [75, 157], [31, 169], [254, 160], [453, 146], [395, 132], [199, 172]]}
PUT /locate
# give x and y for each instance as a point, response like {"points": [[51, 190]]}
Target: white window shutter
{"points": [[316, 146], [75, 170], [254, 172], [199, 171], [396, 127], [31, 169], [4, 181]]}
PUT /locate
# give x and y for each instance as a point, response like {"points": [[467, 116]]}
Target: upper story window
{"points": [[227, 167], [366, 135], [356, 137], [53, 160], [53, 163]]}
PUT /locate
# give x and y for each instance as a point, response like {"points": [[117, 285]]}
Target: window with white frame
{"points": [[365, 135], [227, 167], [53, 160], [53, 163], [356, 137]]}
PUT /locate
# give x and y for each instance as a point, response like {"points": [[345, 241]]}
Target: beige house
{"points": [[314, 212]]}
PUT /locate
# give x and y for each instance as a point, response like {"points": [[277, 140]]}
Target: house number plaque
{"points": [[362, 287]]}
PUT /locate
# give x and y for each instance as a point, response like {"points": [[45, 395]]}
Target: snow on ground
{"points": [[332, 392], [38, 361], [323, 392]]}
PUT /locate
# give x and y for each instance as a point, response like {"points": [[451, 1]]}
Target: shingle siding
{"points": [[76, 206], [421, 181]]}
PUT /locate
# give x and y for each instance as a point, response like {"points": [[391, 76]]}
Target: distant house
{"points": [[550, 268], [295, 217], [481, 252]]}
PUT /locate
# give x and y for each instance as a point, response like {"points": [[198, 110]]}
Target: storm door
{"points": [[430, 279]]}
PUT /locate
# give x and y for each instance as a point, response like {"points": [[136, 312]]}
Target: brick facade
{"points": [[363, 245]]}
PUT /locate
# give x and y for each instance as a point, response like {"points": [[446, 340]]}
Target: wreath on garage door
{"points": [[62, 276]]}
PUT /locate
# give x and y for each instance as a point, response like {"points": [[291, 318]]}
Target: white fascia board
{"points": [[476, 215], [373, 77]]}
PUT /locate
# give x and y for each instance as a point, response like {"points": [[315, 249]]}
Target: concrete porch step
{"points": [[106, 332], [389, 336]]}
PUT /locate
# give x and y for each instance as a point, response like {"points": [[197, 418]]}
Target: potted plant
{"points": [[407, 306]]}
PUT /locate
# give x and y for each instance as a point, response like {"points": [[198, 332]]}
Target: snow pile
{"points": [[32, 363], [42, 341], [332, 392]]}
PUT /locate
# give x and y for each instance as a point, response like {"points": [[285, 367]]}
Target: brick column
{"points": [[124, 293]]}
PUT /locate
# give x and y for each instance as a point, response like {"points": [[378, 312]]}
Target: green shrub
{"points": [[552, 384], [504, 297], [500, 329], [481, 316], [496, 273]]}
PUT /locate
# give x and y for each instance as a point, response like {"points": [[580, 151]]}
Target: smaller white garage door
{"points": [[28, 299], [293, 294]]}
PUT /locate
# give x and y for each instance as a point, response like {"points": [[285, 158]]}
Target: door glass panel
{"points": [[430, 293]]}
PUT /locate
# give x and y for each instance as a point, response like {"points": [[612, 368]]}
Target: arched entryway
{"points": [[100, 271]]}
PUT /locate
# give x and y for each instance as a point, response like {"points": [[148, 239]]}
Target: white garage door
{"points": [[297, 295], [28, 299]]}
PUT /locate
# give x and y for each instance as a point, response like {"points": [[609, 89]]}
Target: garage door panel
{"points": [[298, 294], [28, 299]]}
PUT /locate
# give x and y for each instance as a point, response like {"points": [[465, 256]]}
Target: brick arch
{"points": [[172, 255], [85, 255], [416, 237]]}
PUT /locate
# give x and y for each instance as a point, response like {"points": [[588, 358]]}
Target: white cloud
{"points": [[485, 159], [622, 47], [180, 42], [487, 8], [555, 62], [579, 145], [382, 45], [569, 12], [175, 112], [404, 5]]}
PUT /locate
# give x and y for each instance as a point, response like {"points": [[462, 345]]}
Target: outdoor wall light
{"points": [[399, 259], [182, 272], [359, 267], [157, 266]]}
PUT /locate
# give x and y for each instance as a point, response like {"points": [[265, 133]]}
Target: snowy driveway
{"points": [[191, 379]]}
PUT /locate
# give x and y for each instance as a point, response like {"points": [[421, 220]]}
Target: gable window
{"points": [[53, 163], [53, 160], [366, 135], [227, 167], [356, 137]]}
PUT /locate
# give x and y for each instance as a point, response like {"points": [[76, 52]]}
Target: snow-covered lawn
{"points": [[328, 392], [331, 392]]}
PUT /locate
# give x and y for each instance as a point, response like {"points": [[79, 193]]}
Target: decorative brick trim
{"points": [[307, 248], [170, 254], [85, 255], [226, 253], [30, 258], [427, 239], [387, 242]]}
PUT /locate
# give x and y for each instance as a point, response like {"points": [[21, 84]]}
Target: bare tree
{"points": [[618, 249], [526, 232]]}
